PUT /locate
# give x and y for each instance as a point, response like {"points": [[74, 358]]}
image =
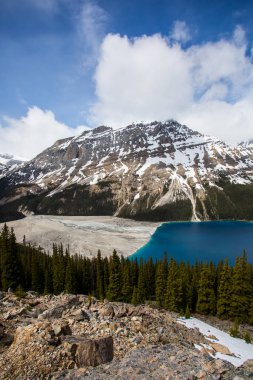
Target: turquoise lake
{"points": [[202, 241]]}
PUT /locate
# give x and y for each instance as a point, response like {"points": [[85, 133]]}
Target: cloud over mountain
{"points": [[206, 86], [33, 133]]}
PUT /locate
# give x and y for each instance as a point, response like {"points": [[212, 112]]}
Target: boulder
{"points": [[61, 329], [121, 311], [88, 352], [56, 312], [94, 352], [107, 311], [32, 293], [1, 295], [79, 315], [70, 344], [220, 348]]}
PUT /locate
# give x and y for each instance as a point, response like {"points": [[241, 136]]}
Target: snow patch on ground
{"points": [[241, 350]]}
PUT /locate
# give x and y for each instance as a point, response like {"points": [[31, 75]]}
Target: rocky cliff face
{"points": [[160, 171], [65, 336]]}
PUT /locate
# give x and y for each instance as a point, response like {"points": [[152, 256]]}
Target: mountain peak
{"points": [[135, 170], [247, 143]]}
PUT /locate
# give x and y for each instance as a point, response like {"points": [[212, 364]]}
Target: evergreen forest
{"points": [[205, 288]]}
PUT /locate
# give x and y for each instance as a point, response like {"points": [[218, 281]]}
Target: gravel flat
{"points": [[85, 234]]}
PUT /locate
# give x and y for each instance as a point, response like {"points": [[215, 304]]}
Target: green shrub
{"points": [[247, 337], [234, 331], [20, 293]]}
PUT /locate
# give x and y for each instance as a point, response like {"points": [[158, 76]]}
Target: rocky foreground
{"points": [[76, 337]]}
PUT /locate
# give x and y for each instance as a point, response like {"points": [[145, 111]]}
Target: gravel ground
{"points": [[85, 234]]}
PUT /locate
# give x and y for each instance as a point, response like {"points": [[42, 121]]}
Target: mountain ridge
{"points": [[161, 171]]}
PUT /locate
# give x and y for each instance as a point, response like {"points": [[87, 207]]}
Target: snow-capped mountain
{"points": [[247, 144], [7, 161], [151, 171]]}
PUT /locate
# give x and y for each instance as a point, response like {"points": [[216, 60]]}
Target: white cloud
{"points": [[208, 86], [92, 20], [239, 36], [140, 79], [44, 5], [29, 135], [180, 32]]}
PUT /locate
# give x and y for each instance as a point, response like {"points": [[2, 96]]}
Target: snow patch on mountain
{"points": [[155, 163]]}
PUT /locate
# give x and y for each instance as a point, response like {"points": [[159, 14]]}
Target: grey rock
{"points": [[79, 315], [94, 352], [88, 352], [57, 311], [107, 311], [241, 373], [61, 329], [32, 293]]}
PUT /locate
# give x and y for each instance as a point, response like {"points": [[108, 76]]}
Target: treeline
{"points": [[220, 290]]}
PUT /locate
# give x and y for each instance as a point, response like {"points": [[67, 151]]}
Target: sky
{"points": [[66, 65]]}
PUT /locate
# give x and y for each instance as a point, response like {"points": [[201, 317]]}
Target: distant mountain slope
{"points": [[158, 171], [7, 160]]}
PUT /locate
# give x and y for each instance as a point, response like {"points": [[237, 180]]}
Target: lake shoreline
{"points": [[202, 241]]}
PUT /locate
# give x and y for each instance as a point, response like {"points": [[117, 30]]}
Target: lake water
{"points": [[203, 241]]}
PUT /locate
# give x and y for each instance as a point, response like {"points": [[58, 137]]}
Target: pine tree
{"points": [[251, 312], [100, 280], [149, 278], [127, 288], [134, 300], [106, 274], [70, 277], [59, 267], [114, 288], [37, 273], [241, 290], [160, 284], [141, 292], [174, 289], [206, 303], [224, 292], [192, 293], [11, 265]]}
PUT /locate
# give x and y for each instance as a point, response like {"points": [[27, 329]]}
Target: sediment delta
{"points": [[84, 234]]}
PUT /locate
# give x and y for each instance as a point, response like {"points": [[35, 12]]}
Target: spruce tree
{"points": [[135, 300], [70, 277], [11, 265], [206, 303], [100, 279], [241, 290], [149, 278], [160, 284], [127, 288], [174, 289], [114, 288], [141, 291], [192, 292], [224, 292]]}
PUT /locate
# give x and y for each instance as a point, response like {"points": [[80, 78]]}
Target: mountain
{"points": [[247, 144], [7, 161], [152, 171]]}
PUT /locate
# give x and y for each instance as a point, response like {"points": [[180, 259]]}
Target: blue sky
{"points": [[68, 63]]}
